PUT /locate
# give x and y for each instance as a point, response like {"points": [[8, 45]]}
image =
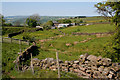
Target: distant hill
{"points": [[43, 19]]}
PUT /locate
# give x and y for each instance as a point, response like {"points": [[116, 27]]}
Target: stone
{"points": [[99, 58], [100, 69], [76, 62], [49, 60], [105, 72], [106, 61], [97, 74], [76, 42], [53, 67], [110, 76], [86, 62], [89, 71], [94, 68], [71, 69], [82, 68], [75, 65], [68, 44], [92, 58], [83, 57]]}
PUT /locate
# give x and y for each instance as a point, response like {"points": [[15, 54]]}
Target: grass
{"points": [[90, 29], [94, 46], [8, 67], [9, 54], [50, 33], [90, 19]]}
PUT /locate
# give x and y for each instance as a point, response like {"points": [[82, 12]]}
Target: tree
{"points": [[64, 21], [33, 20], [111, 10], [8, 24], [17, 23], [48, 25], [2, 21]]}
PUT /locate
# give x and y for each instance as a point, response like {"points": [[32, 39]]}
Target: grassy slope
{"points": [[9, 54], [50, 33], [90, 19], [94, 46], [90, 29]]}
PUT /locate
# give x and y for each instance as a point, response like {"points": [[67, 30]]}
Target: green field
{"points": [[85, 44], [51, 33], [91, 19]]}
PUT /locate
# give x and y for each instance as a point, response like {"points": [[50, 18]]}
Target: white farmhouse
{"points": [[63, 25], [39, 27]]}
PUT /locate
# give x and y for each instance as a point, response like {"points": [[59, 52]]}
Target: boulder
{"points": [[92, 58], [82, 68], [49, 60], [97, 74], [101, 68], [76, 62], [99, 58], [110, 75], [68, 44], [75, 65], [83, 57], [106, 61], [71, 69]]}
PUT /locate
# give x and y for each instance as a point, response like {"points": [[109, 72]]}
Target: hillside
{"points": [[69, 47]]}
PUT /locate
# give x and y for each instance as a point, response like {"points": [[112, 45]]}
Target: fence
{"points": [[13, 40]]}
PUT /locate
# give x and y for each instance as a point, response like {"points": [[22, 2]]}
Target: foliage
{"points": [[47, 25], [78, 21], [26, 37], [7, 30], [33, 21], [9, 54], [116, 44], [2, 20], [8, 24], [64, 21], [112, 9]]}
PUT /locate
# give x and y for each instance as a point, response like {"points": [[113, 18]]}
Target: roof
{"points": [[55, 22]]}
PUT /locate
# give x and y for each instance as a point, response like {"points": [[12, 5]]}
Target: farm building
{"points": [[39, 27], [55, 23], [73, 24], [63, 25]]}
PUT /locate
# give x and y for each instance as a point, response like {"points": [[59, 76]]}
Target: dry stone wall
{"points": [[87, 66]]}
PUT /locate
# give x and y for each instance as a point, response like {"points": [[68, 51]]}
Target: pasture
{"points": [[68, 46]]}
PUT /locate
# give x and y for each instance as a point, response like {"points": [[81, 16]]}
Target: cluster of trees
{"points": [[80, 17], [33, 21], [48, 25], [64, 21], [111, 10], [78, 21], [2, 21]]}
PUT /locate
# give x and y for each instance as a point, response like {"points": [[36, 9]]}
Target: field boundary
{"points": [[13, 40], [78, 33]]}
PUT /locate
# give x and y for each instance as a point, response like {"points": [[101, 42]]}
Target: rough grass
{"points": [[94, 46], [51, 33], [91, 19], [90, 29], [9, 54]]}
